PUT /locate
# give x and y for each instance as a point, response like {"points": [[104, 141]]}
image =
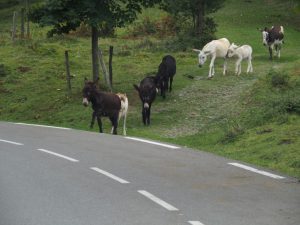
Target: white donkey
{"points": [[242, 52], [214, 49]]}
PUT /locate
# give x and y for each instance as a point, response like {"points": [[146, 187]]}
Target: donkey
{"points": [[273, 38], [104, 104], [214, 49], [166, 72], [147, 92]]}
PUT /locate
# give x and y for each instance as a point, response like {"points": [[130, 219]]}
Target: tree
{"points": [[100, 15], [194, 9]]}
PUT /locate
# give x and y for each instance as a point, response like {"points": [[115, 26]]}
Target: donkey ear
{"points": [[207, 52], [136, 87], [196, 50]]}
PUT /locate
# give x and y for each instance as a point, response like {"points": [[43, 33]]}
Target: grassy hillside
{"points": [[254, 118]]}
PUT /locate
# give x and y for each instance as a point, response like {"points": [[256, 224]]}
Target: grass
{"points": [[245, 118]]}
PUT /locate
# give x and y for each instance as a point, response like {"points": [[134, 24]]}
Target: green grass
{"points": [[242, 118]]}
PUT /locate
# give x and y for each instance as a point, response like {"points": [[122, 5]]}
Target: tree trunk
{"points": [[95, 60], [199, 18]]}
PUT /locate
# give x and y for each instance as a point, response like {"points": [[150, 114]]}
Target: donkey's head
{"points": [[88, 90], [202, 56]]}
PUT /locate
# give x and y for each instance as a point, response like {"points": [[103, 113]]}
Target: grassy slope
{"points": [[198, 114]]}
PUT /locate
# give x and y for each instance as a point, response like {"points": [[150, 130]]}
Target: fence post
{"points": [[105, 73], [111, 50], [68, 72], [27, 17], [22, 22], [13, 30]]}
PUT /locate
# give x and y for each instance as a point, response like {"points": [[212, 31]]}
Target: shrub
{"points": [[3, 71], [146, 27], [232, 132], [187, 37], [279, 79]]}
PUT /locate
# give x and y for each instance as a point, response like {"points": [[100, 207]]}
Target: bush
{"points": [[232, 132], [161, 28], [3, 71], [188, 38], [279, 79]]}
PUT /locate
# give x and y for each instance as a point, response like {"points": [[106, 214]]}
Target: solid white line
{"points": [[158, 200], [58, 155], [122, 181], [257, 171], [152, 142], [38, 125], [196, 223], [11, 142]]}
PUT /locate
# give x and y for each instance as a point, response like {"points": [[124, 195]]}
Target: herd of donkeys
{"points": [[115, 106]]}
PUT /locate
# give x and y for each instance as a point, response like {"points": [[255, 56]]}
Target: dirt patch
{"points": [[23, 69], [285, 142]]}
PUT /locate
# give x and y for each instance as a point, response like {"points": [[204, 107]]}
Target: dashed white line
{"points": [[158, 200], [11, 142], [38, 125], [152, 142], [256, 170], [196, 223], [114, 177], [58, 155]]}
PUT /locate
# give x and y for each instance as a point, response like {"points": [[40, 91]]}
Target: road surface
{"points": [[55, 176]]}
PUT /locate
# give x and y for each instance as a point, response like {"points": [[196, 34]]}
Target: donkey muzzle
{"points": [[85, 102]]}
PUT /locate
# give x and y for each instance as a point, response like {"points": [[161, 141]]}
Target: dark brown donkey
{"points": [[103, 104]]}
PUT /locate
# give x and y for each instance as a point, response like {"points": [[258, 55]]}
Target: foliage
{"points": [[194, 27], [161, 28], [67, 15], [190, 8]]}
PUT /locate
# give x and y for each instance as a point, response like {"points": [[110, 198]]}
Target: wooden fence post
{"points": [[68, 72], [105, 73], [27, 18], [13, 30], [111, 50], [22, 22]]}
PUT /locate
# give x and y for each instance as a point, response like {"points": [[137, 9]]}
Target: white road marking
{"points": [[11, 142], [122, 181], [158, 200], [256, 170], [58, 155], [38, 125], [152, 142], [196, 223]]}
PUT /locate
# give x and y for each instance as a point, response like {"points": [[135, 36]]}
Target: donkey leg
{"points": [[144, 116], [163, 89], [124, 124], [249, 68], [115, 125], [171, 81], [271, 53], [148, 114], [211, 67], [278, 53], [114, 122], [225, 66], [99, 124], [93, 119]]}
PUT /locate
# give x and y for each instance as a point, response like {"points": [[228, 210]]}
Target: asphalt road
{"points": [[51, 176]]}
